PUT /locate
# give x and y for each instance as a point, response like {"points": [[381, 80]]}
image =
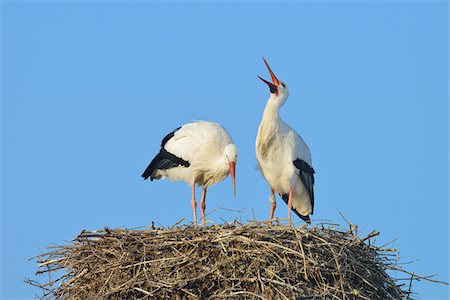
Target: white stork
{"points": [[283, 156], [199, 153]]}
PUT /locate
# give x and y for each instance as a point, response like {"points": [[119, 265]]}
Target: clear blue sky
{"points": [[89, 90]]}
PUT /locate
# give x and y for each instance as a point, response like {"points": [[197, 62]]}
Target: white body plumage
{"points": [[277, 147], [207, 147], [199, 153], [284, 158]]}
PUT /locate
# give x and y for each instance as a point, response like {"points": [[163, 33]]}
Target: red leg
{"points": [[203, 205], [273, 204], [290, 206], [194, 204]]}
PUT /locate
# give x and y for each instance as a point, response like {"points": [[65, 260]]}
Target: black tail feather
{"points": [[306, 218]]}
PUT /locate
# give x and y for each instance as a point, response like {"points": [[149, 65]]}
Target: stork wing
{"points": [[198, 140], [164, 159], [168, 137], [306, 173]]}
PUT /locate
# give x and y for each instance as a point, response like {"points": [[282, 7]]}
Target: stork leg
{"points": [[194, 204], [273, 203], [290, 206], [203, 205]]}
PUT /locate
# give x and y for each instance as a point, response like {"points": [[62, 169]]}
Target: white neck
{"points": [[272, 110]]}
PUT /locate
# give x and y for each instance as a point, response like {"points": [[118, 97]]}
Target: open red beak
{"points": [[274, 78], [233, 175], [273, 86]]}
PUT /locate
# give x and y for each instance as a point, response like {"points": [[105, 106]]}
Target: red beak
{"points": [[233, 175], [273, 86], [274, 78]]}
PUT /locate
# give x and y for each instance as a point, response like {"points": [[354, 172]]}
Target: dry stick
{"points": [[371, 235], [350, 225], [299, 241], [417, 277], [410, 286], [339, 267], [240, 293], [143, 291], [177, 223], [76, 277], [187, 292]]}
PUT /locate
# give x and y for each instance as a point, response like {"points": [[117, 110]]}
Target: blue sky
{"points": [[88, 90]]}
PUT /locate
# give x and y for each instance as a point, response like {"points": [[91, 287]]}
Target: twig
{"points": [[371, 235]]}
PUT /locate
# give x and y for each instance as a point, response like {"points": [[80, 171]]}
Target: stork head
{"points": [[278, 89], [230, 152]]}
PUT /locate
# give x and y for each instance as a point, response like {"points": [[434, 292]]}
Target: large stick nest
{"points": [[256, 261]]}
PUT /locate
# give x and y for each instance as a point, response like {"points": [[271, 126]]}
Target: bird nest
{"points": [[258, 260]]}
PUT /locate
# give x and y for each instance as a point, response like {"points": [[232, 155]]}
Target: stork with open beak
{"points": [[199, 153], [283, 156]]}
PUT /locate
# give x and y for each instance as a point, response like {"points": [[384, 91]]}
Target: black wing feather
{"points": [[307, 177], [168, 137], [164, 159]]}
